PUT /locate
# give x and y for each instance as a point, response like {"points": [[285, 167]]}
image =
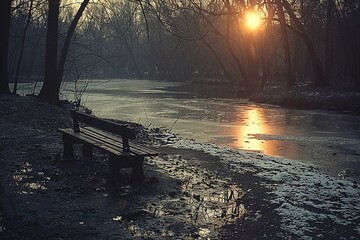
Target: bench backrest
{"points": [[112, 127]]}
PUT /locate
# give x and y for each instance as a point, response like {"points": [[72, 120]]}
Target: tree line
{"points": [[297, 42]]}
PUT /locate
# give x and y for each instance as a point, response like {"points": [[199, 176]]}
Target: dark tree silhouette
{"points": [[23, 38], [47, 92], [65, 49], [286, 46], [296, 40], [315, 59], [54, 71], [5, 15]]}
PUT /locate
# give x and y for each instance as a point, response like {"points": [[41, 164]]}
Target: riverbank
{"points": [[44, 197], [191, 191], [310, 98]]}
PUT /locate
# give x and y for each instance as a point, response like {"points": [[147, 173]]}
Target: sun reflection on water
{"points": [[253, 123]]}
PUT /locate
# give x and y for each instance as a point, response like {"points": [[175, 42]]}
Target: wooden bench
{"points": [[110, 137]]}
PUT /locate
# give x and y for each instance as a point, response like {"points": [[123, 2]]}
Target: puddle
{"points": [[29, 180], [35, 186], [117, 218], [203, 232], [192, 203], [203, 198], [138, 231], [210, 198]]}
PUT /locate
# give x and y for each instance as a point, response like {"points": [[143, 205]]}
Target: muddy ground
{"points": [[186, 194]]}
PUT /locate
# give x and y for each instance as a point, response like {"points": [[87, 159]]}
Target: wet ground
{"points": [[44, 197], [191, 191]]}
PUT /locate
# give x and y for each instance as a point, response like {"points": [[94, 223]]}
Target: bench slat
{"points": [[110, 137], [112, 145], [113, 140], [141, 150], [100, 144], [120, 129]]}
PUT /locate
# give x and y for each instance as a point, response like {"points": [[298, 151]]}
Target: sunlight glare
{"points": [[251, 126], [253, 20]]}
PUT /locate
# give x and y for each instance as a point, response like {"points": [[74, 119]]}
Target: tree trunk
{"points": [[329, 40], [315, 60], [286, 46], [22, 47], [249, 84], [226, 72], [252, 65], [130, 51], [47, 92], [54, 72], [65, 49], [5, 20]]}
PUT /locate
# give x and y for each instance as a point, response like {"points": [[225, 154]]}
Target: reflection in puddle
{"points": [[137, 231], [213, 203], [29, 180], [196, 204], [35, 186], [208, 199], [203, 232], [117, 218]]}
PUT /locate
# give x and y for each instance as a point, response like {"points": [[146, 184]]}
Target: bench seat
{"points": [[110, 137], [107, 141]]}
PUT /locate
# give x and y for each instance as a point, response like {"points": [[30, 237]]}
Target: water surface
{"points": [[216, 114]]}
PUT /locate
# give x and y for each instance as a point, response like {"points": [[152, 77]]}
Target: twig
{"points": [[174, 122]]}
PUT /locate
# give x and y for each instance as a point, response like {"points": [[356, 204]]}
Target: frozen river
{"points": [[214, 114]]}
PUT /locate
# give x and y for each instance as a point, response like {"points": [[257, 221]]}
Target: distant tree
{"points": [[320, 79], [286, 46], [23, 38], [5, 16], [330, 9], [348, 32]]}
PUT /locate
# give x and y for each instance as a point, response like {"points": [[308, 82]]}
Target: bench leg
{"points": [[117, 162], [114, 169], [87, 150], [68, 147], [137, 173]]}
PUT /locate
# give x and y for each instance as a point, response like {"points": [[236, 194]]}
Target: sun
{"points": [[252, 21]]}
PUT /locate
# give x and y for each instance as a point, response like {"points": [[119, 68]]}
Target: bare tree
{"points": [[54, 71], [5, 15], [48, 90], [315, 59], [286, 46], [27, 24]]}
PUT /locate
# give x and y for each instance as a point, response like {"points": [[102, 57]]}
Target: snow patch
{"points": [[307, 198]]}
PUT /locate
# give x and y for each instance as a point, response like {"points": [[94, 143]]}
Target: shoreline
{"points": [[192, 191], [311, 98], [54, 199]]}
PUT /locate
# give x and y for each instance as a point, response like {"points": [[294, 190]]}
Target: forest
{"points": [[292, 43]]}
